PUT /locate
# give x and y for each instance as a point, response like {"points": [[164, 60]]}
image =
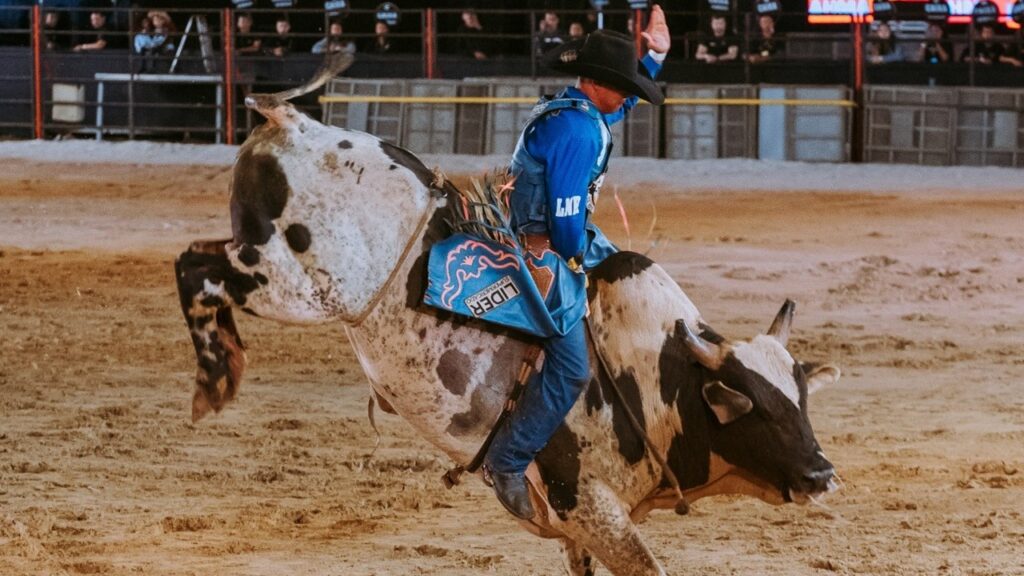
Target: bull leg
{"points": [[209, 286], [578, 562], [601, 524]]}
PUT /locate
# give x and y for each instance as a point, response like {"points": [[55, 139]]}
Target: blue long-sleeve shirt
{"points": [[569, 144]]}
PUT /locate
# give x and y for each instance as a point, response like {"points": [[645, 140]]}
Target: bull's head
{"points": [[755, 396]]}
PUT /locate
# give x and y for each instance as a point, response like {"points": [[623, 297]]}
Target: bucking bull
{"points": [[333, 225]]}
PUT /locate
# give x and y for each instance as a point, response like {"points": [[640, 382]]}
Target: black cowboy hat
{"points": [[608, 58]]}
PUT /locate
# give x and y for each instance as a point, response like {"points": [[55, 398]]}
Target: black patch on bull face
{"points": [[403, 157], [454, 369], [774, 441], [620, 266], [248, 255], [298, 238], [259, 193], [559, 464], [344, 145]]}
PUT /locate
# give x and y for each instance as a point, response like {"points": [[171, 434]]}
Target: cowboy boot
{"points": [[513, 493]]}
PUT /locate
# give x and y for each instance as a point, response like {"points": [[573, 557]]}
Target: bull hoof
{"points": [[200, 406]]}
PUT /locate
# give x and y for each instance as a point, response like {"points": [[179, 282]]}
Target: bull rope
{"points": [[436, 185]]}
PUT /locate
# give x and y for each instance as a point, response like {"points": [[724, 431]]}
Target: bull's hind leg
{"points": [[209, 286]]}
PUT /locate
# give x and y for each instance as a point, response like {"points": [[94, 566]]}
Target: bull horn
{"points": [[707, 353], [333, 65], [783, 320]]}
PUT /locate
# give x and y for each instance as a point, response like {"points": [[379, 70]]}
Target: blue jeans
{"points": [[544, 404]]}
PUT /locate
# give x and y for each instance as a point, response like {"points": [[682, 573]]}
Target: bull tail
{"points": [[204, 276]]}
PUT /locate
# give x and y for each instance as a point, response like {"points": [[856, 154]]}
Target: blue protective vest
{"points": [[529, 200]]}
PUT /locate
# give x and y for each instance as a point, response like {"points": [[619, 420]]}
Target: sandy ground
{"points": [[918, 295]]}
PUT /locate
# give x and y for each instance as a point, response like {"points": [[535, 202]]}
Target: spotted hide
{"points": [[335, 225]]}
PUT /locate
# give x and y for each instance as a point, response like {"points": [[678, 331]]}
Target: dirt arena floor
{"points": [[918, 296]]}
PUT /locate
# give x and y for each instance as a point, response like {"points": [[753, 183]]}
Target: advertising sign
{"points": [[388, 13], [959, 11]]}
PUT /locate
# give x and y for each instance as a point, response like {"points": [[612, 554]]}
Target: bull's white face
{"points": [[767, 357], [758, 394]]}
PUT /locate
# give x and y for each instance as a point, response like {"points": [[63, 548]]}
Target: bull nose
{"points": [[819, 480], [820, 476]]}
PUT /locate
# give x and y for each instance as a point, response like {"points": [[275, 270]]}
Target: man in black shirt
{"points": [[718, 48], [935, 49], [768, 46], [987, 50], [246, 43], [280, 44], [99, 37]]}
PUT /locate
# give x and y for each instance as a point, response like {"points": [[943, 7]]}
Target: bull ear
{"points": [[821, 376], [783, 320], [726, 403], [707, 353]]}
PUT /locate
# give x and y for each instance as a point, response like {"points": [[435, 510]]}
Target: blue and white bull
{"points": [[331, 225]]}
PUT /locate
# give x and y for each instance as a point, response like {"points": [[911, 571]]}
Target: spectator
{"points": [[99, 33], [381, 43], [281, 43], [768, 45], [987, 50], [245, 42], [333, 42], [576, 31], [935, 49], [154, 35], [471, 36], [52, 39], [883, 49], [718, 48], [549, 34]]}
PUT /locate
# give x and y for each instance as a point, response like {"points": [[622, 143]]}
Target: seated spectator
{"points": [[154, 35], [987, 50], [470, 36], [245, 42], [549, 34], [576, 31], [767, 46], [98, 33], [281, 43], [381, 42], [718, 48], [333, 42], [52, 39], [935, 49], [883, 48]]}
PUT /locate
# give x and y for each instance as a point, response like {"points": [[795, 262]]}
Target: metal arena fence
{"points": [[427, 93]]}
